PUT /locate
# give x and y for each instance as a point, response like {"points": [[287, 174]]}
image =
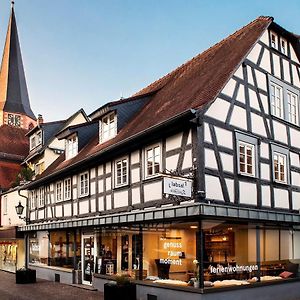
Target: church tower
{"points": [[15, 107]]}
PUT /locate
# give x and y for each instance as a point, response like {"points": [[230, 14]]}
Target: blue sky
{"points": [[82, 54]]}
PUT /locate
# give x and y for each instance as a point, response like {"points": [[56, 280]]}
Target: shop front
{"points": [[12, 250], [199, 256]]}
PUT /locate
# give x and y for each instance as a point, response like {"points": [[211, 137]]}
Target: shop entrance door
{"points": [[87, 258]]}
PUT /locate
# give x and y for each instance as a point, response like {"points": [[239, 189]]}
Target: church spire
{"points": [[14, 100]]}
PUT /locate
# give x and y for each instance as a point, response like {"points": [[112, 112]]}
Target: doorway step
{"points": [[85, 287]]}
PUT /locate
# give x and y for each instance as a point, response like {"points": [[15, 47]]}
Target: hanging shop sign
{"points": [[178, 186]]}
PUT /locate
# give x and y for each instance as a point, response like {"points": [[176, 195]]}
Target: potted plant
{"points": [[24, 275], [120, 288]]}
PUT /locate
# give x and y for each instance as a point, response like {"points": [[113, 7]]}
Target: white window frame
{"points": [[121, 175], [152, 148], [252, 143], [277, 104], [39, 138], [33, 200], [283, 50], [59, 196], [110, 128], [251, 147], [282, 161], [67, 188], [293, 108], [32, 142], [84, 182], [275, 43], [280, 102], [5, 205], [283, 153], [71, 146], [41, 197]]}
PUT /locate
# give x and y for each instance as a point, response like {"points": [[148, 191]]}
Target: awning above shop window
{"points": [[171, 213], [10, 233]]}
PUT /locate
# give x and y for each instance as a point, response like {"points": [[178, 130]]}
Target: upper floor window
{"points": [[279, 161], [83, 184], [41, 197], [35, 139], [284, 100], [276, 100], [247, 154], [152, 160], [280, 164], [32, 197], [293, 105], [39, 168], [59, 195], [108, 127], [67, 187], [5, 205], [71, 147], [121, 172], [274, 42], [283, 46], [14, 120]]}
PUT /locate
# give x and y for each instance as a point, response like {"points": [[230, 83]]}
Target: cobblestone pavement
{"points": [[42, 290]]}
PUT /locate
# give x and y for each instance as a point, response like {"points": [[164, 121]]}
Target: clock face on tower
{"points": [[14, 120], [17, 121], [11, 119]]}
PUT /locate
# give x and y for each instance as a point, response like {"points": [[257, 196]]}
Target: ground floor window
{"points": [[38, 248], [212, 253], [241, 254], [8, 256], [55, 248]]}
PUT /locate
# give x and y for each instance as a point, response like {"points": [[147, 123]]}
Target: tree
{"points": [[24, 175]]}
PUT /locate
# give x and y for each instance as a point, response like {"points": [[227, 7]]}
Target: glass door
{"points": [[87, 259]]}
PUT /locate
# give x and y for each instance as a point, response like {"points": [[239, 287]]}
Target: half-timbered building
{"points": [[195, 178]]}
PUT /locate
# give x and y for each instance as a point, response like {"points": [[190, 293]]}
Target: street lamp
{"points": [[19, 211]]}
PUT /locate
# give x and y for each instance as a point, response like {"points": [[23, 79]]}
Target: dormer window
{"points": [[71, 147], [36, 140], [108, 127]]}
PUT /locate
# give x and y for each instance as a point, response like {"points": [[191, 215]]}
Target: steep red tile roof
{"points": [[192, 85], [13, 142], [8, 174]]}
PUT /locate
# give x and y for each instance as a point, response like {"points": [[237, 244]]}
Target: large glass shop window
{"points": [[38, 248], [169, 253], [62, 249], [229, 256], [160, 253], [8, 256], [280, 253], [119, 252]]}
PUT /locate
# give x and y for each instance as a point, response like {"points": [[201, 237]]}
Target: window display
{"points": [[38, 248], [231, 255], [8, 256], [61, 249]]}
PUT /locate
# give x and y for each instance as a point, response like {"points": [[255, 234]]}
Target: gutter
{"points": [[190, 112]]}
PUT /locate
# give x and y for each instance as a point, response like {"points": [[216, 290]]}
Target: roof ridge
{"points": [[185, 64]]}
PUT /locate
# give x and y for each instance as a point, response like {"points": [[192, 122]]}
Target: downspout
{"points": [[26, 239]]}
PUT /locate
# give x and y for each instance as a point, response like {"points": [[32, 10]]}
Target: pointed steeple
{"points": [[13, 89]]}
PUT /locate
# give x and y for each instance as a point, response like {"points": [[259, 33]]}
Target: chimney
{"points": [[40, 119]]}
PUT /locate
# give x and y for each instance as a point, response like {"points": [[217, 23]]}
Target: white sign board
{"points": [[179, 187]]}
